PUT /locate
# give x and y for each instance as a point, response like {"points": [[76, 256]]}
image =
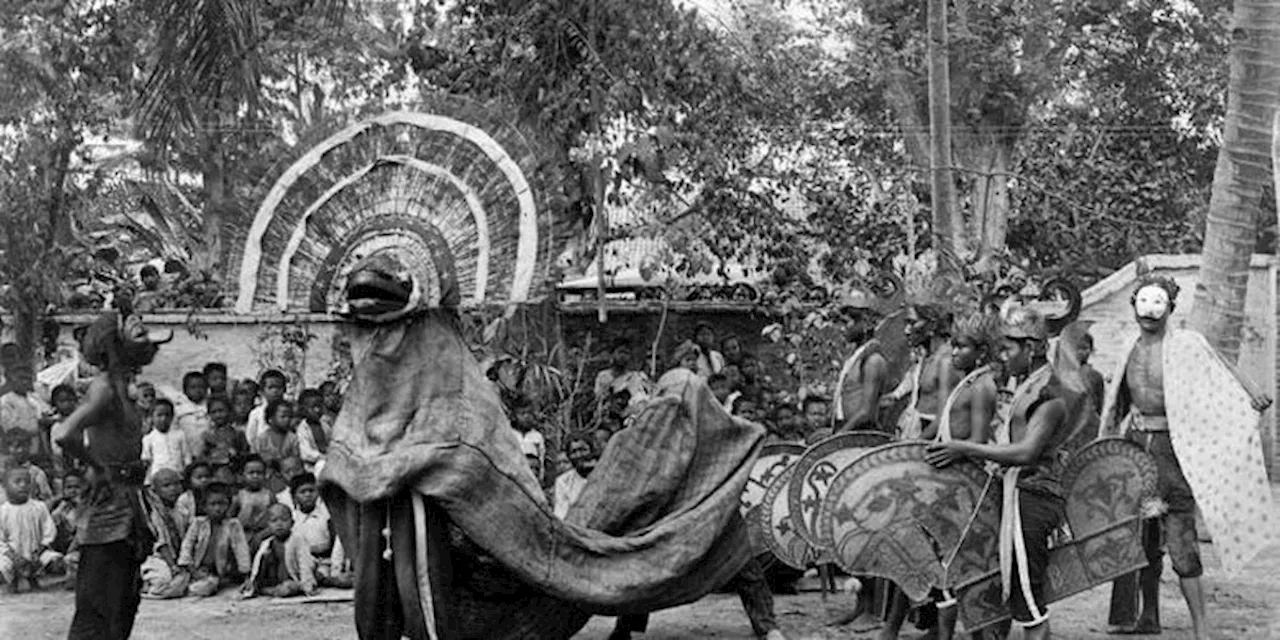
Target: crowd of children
{"points": [[232, 494]]}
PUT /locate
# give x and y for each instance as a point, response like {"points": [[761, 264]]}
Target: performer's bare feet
{"points": [[774, 635]]}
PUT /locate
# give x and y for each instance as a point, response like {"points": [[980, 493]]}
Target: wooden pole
{"points": [[942, 184], [597, 178]]}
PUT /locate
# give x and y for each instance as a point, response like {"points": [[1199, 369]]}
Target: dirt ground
{"points": [[1240, 607]]}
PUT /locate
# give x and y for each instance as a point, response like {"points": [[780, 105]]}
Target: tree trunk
{"points": [[1241, 175], [948, 228], [985, 154]]}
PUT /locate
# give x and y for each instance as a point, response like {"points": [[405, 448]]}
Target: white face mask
{"points": [[1151, 302]]}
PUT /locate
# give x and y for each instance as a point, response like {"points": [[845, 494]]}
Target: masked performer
{"points": [[114, 536], [1196, 416], [1027, 445]]}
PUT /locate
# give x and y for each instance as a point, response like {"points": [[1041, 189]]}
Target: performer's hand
{"points": [[942, 454], [1261, 402]]}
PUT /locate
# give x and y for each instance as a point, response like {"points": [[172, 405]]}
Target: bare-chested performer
{"points": [[114, 536], [930, 380], [966, 415], [864, 378], [1136, 404], [1027, 445]]}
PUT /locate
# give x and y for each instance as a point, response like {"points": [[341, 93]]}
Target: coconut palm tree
{"points": [[1241, 176]]}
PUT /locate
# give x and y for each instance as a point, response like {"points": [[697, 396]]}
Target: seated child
{"points": [[289, 469], [277, 441], [223, 472], [18, 446], [312, 526], [161, 577], [250, 504], [282, 565], [66, 514], [26, 533], [223, 442], [214, 552], [165, 447], [191, 503]]}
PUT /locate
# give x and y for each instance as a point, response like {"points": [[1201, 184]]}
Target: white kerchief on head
{"points": [[1152, 301]]}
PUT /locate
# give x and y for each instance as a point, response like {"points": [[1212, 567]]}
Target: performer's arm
{"points": [[1257, 398], [1046, 419], [69, 434]]}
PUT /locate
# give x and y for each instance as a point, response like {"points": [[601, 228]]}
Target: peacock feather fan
{"points": [[452, 191]]}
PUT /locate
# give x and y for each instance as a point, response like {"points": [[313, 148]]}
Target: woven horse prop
{"points": [[395, 223]]}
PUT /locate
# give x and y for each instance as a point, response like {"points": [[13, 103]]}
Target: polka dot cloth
{"points": [[1215, 434]]}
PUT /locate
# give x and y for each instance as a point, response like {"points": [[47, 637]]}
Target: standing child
{"points": [[223, 444], [250, 505], [27, 532], [66, 517], [313, 435], [191, 503], [214, 552], [282, 566], [273, 388], [164, 447], [278, 441], [332, 400], [191, 412]]}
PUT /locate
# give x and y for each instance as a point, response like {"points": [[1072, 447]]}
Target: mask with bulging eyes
{"points": [[1152, 303]]}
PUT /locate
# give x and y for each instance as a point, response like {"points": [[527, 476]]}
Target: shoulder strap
{"points": [[944, 419]]}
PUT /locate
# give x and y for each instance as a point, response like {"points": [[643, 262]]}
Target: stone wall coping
{"points": [[1127, 274]]}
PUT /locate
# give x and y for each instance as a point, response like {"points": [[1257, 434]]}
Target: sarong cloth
{"points": [[655, 527], [1216, 437]]}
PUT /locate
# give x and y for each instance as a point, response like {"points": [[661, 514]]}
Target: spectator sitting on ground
{"points": [[781, 425], [153, 295], [290, 468], [225, 473], [65, 399], [274, 384], [524, 419], [215, 376], [145, 402], [164, 447], [191, 412], [250, 504], [709, 360], [196, 479], [282, 566], [278, 441], [223, 443], [161, 576], [312, 526], [66, 517], [27, 532], [18, 445], [313, 436], [215, 553], [748, 408]]}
